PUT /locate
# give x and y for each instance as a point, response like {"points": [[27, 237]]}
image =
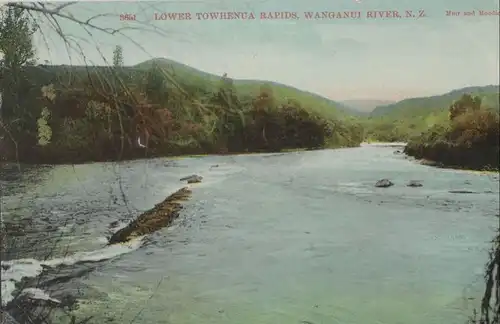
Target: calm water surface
{"points": [[277, 238]]}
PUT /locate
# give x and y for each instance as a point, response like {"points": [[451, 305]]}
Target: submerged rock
{"points": [[192, 178], [414, 183], [161, 215], [462, 191], [384, 183]]}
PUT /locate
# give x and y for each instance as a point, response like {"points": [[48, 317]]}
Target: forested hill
{"points": [[99, 113], [188, 75], [426, 105], [410, 117]]}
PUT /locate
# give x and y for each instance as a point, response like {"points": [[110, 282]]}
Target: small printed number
{"points": [[127, 17]]}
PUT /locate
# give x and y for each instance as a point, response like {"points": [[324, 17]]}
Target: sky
{"points": [[342, 59]]}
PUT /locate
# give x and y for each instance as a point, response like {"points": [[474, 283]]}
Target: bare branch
{"points": [[41, 8]]}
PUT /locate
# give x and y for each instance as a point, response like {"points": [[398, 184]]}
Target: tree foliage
{"points": [[469, 139], [16, 32], [16, 48], [118, 56], [410, 117], [95, 119], [466, 103]]}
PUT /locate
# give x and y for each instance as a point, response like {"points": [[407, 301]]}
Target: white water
{"points": [[16, 270], [13, 271], [36, 293]]}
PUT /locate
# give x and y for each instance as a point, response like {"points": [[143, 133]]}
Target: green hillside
{"points": [[69, 114], [188, 75], [467, 139], [425, 105], [410, 117]]}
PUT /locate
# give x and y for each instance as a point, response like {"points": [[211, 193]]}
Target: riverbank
{"points": [[436, 164], [469, 140], [450, 155], [34, 154], [79, 124], [36, 160]]}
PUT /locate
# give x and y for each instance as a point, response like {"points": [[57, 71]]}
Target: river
{"points": [[301, 237]]}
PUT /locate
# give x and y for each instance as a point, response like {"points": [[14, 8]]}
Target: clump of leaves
{"points": [[44, 130]]}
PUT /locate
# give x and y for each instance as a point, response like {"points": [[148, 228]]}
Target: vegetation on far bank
{"points": [[408, 118], [470, 138], [97, 114], [459, 129], [72, 114]]}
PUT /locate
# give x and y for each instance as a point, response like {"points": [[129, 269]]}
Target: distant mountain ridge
{"points": [[489, 94], [356, 107], [366, 105]]}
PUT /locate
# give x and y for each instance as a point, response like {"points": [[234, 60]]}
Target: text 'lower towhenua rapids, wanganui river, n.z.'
{"points": [[291, 15]]}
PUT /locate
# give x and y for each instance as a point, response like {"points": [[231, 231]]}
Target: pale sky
{"points": [[340, 59]]}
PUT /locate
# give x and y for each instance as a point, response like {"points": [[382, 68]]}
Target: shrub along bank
{"points": [[469, 139], [80, 114]]}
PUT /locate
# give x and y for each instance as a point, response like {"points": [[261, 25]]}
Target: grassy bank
{"points": [[66, 114]]}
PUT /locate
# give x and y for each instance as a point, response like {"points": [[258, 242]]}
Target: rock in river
{"points": [[414, 183], [152, 220], [384, 183], [462, 191], [192, 178]]}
